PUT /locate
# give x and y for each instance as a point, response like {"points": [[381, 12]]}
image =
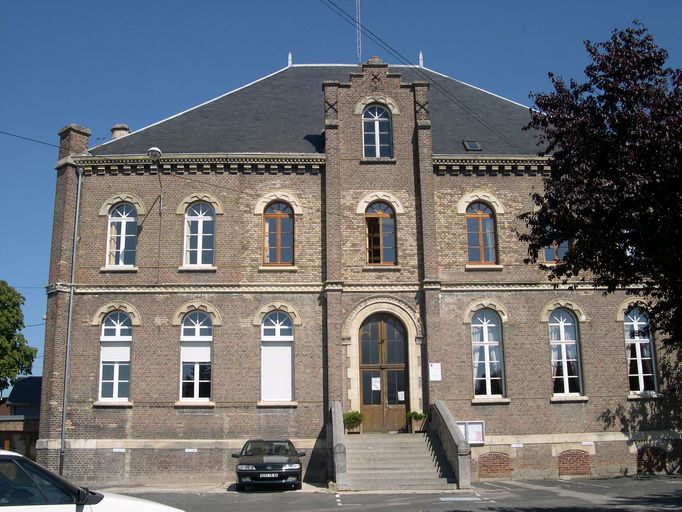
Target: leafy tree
{"points": [[16, 357], [615, 186]]}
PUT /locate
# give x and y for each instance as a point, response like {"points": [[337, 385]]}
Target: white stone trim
{"points": [[410, 319], [286, 197], [194, 305], [562, 303], [126, 307], [156, 444], [280, 305], [628, 303], [197, 197], [378, 98], [385, 197], [124, 197], [479, 195], [484, 304]]}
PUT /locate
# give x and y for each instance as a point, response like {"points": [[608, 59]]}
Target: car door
{"points": [[24, 487]]}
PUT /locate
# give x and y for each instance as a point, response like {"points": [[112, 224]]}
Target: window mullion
{"points": [[377, 146]]}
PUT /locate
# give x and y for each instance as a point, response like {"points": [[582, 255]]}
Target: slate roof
{"points": [[283, 113], [26, 391]]}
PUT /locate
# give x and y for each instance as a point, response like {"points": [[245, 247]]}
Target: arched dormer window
{"points": [[199, 235], [381, 234], [481, 236], [115, 339], [122, 236], [196, 338], [277, 361], [278, 234], [376, 132]]}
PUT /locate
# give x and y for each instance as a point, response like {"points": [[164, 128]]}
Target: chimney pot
{"points": [[119, 130], [73, 140]]}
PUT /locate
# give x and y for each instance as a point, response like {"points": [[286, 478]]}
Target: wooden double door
{"points": [[383, 373]]}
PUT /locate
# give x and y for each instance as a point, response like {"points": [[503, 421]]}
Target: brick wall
{"points": [[573, 462]]}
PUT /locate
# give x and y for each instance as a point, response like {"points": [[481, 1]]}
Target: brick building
{"points": [[325, 233]]}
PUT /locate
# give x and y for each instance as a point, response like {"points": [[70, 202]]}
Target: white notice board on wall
{"points": [[434, 372]]}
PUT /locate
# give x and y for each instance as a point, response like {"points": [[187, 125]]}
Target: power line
{"points": [[30, 139]]}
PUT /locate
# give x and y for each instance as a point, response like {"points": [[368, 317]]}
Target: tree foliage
{"points": [[615, 185], [16, 357]]}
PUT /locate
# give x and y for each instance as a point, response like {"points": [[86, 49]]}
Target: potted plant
{"points": [[416, 421], [352, 421]]}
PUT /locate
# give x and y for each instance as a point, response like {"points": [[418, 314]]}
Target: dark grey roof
{"points": [[283, 113], [26, 390]]}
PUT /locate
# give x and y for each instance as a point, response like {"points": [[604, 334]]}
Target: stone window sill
{"points": [[485, 266], [120, 269], [382, 161], [381, 268], [113, 404], [278, 268], [490, 401], [197, 268], [284, 405], [647, 395], [194, 404], [558, 399]]}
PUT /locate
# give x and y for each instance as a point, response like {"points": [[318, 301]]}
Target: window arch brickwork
{"points": [[107, 308], [200, 305], [200, 197], [123, 198]]}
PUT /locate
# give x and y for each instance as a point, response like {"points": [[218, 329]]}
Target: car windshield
{"points": [[269, 448]]}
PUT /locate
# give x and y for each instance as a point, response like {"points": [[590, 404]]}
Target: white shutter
{"points": [[116, 351], [276, 372], [195, 352]]}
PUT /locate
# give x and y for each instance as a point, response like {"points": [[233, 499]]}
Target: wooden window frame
{"points": [[278, 218], [481, 245], [380, 216]]}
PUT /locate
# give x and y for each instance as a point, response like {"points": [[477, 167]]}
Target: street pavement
{"points": [[656, 493]]}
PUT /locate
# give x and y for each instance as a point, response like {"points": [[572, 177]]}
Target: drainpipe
{"points": [[69, 319]]}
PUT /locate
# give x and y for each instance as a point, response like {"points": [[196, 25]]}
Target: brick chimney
{"points": [[119, 130], [73, 140]]}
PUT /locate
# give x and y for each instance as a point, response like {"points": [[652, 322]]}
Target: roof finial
{"points": [[290, 59], [421, 59]]}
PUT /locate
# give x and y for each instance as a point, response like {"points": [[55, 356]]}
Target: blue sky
{"points": [[139, 61]]}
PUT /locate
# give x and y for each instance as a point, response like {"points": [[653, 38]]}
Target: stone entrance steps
{"points": [[396, 461]]}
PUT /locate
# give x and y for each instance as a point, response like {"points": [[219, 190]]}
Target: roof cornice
{"points": [[490, 164]]}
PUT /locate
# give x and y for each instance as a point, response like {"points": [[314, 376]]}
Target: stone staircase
{"points": [[396, 461]]}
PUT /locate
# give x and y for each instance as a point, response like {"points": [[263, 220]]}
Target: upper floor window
{"points": [[381, 234], [376, 132], [117, 333], [488, 363], [122, 236], [278, 234], [639, 352], [277, 370], [199, 234], [481, 237], [196, 337], [565, 358], [556, 252]]}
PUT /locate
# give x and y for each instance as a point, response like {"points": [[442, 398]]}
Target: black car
{"points": [[266, 462]]}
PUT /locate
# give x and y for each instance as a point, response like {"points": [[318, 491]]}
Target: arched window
{"points": [[277, 361], [122, 236], [199, 231], [278, 234], [117, 334], [565, 347], [381, 234], [481, 238], [488, 362], [639, 352], [376, 132], [196, 338]]}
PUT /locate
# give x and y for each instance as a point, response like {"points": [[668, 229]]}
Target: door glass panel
{"points": [[370, 344], [395, 387], [371, 387], [395, 339]]}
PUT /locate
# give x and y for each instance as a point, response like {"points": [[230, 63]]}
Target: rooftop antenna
{"points": [[358, 31], [421, 59], [290, 59]]}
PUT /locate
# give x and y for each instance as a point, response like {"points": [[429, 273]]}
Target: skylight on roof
{"points": [[472, 145]]}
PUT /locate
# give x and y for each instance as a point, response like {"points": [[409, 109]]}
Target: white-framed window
{"points": [[277, 361], [487, 358], [376, 132], [640, 353], [196, 338], [199, 234], [565, 349], [122, 236], [115, 339]]}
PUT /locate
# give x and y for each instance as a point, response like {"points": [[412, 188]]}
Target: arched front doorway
{"points": [[384, 383]]}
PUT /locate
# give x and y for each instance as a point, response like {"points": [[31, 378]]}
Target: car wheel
{"points": [[297, 487], [240, 487]]}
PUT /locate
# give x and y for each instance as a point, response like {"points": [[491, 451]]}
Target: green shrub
{"points": [[414, 415], [352, 419]]}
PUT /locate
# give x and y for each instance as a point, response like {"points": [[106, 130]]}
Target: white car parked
{"points": [[25, 485]]}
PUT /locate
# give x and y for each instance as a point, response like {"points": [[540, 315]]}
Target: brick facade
{"points": [[154, 436]]}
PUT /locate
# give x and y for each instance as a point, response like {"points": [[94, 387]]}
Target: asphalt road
{"points": [[656, 493]]}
